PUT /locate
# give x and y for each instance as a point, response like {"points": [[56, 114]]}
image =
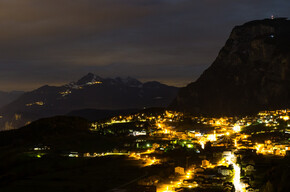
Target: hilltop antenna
{"points": [[272, 17]]}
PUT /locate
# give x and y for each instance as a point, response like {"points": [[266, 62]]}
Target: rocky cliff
{"points": [[251, 73]]}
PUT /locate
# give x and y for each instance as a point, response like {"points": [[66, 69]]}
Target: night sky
{"points": [[172, 41]]}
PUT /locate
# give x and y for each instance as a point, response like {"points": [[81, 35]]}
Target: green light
{"points": [[190, 146], [148, 145], [38, 156]]}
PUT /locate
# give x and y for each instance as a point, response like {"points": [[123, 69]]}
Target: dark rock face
{"points": [[251, 73], [90, 91]]}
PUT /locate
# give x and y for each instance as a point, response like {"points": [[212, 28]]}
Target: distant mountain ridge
{"points": [[250, 74], [8, 97], [91, 91]]}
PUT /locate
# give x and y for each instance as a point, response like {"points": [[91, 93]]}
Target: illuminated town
{"points": [[219, 154]]}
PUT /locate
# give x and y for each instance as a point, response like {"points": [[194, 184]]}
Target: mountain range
{"points": [[91, 91]]}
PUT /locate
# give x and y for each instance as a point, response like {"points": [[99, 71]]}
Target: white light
{"points": [[237, 128], [237, 183], [202, 145]]}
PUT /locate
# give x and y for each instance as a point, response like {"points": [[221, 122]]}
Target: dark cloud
{"points": [[56, 41]]}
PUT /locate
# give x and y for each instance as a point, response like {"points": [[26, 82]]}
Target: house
{"points": [[139, 133], [199, 170], [179, 170], [250, 168], [205, 163], [225, 171], [40, 147], [227, 153], [189, 183], [220, 177]]}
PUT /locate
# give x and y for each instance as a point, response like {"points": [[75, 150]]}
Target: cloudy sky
{"points": [[172, 41]]}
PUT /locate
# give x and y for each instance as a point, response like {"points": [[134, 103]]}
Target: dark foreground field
{"points": [[69, 175]]}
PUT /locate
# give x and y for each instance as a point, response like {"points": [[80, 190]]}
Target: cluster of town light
{"points": [[224, 128]]}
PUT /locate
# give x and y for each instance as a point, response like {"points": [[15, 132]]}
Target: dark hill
{"points": [[60, 133], [95, 114], [46, 130], [250, 74]]}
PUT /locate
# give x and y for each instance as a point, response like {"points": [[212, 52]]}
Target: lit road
{"points": [[236, 179], [237, 174], [147, 159]]}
